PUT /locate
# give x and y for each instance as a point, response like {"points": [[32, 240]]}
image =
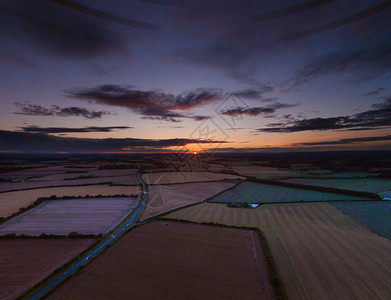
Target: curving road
{"points": [[96, 250]]}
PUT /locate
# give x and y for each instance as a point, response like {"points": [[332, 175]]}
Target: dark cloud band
{"points": [[35, 129], [43, 143], [55, 110], [153, 105], [377, 117]]}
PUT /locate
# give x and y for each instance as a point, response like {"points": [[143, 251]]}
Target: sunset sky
{"points": [[166, 75]]}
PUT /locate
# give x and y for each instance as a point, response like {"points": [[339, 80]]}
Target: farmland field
{"points": [[272, 176], [15, 186], [251, 192], [163, 198], [182, 177], [170, 260], [61, 217], [25, 262], [386, 194], [215, 167], [260, 170], [11, 202], [94, 173], [320, 253], [39, 172], [356, 184], [376, 216]]}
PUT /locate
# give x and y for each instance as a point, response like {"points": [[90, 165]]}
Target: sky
{"points": [[181, 75]]}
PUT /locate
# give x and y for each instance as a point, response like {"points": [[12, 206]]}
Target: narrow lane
{"points": [[98, 249]]}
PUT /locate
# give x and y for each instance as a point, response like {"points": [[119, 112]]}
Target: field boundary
{"points": [[274, 276], [302, 202]]}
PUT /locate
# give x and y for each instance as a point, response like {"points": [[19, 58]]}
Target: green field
{"points": [[251, 192], [372, 185], [375, 215]]}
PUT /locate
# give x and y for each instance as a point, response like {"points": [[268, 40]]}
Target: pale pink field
{"points": [[182, 177], [25, 262], [61, 217], [11, 202], [163, 198]]}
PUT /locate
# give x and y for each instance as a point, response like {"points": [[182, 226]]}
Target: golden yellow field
{"points": [[320, 253], [11, 202]]}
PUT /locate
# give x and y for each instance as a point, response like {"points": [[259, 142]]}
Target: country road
{"points": [[96, 250]]}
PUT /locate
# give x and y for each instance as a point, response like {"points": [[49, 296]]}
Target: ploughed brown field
{"points": [[11, 202], [25, 262], [320, 253], [170, 260], [182, 177], [163, 198]]}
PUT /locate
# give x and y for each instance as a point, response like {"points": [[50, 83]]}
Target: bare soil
{"points": [[170, 260], [26, 262]]}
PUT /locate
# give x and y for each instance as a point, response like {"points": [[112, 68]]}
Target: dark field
{"points": [[169, 260], [26, 262], [250, 192], [376, 216]]}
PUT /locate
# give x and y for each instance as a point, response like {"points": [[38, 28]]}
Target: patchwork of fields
{"points": [[183, 177], [373, 185], [15, 186], [251, 192], [163, 198], [61, 217], [169, 260], [320, 252], [11, 202], [42, 171], [25, 262], [376, 216], [60, 176]]}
